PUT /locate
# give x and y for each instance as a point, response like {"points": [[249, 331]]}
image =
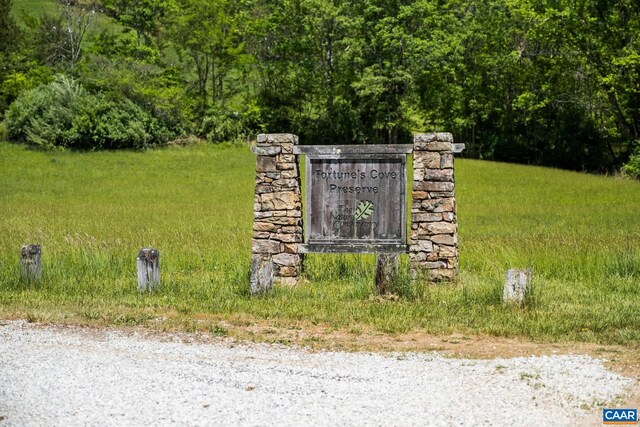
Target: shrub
{"points": [[102, 123], [160, 91], [40, 117], [220, 125], [64, 114], [20, 78], [632, 167]]}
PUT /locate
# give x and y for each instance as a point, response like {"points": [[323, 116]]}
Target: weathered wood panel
{"points": [[386, 272], [261, 279], [353, 248], [352, 150], [31, 263], [357, 156], [148, 269], [356, 201], [517, 286]]}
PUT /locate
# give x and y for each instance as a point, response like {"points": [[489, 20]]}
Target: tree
{"points": [[606, 35], [10, 38], [210, 33], [59, 38], [507, 79], [335, 71], [143, 16]]}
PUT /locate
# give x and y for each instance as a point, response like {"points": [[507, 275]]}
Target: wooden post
{"points": [[148, 269], [31, 263], [261, 279], [517, 286], [386, 272]]}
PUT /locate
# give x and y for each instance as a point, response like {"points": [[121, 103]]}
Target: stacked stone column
{"points": [[433, 246], [277, 217]]}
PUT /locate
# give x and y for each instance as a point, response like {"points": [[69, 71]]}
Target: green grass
{"points": [[93, 211], [35, 8], [25, 10]]}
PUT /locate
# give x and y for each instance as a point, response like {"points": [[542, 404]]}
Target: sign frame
{"points": [[395, 153]]}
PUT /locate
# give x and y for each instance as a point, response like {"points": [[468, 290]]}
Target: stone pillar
{"points": [[434, 232], [277, 216]]}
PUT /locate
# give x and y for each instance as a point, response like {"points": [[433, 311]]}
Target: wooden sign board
{"points": [[355, 198]]}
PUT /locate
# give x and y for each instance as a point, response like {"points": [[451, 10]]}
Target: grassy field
{"points": [[24, 11], [35, 8], [93, 211]]}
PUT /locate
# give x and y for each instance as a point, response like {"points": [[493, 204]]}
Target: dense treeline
{"points": [[552, 82]]}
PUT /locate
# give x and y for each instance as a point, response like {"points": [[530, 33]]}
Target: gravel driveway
{"points": [[73, 376]]}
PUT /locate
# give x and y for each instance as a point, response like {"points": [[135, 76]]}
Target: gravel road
{"points": [[58, 376]]}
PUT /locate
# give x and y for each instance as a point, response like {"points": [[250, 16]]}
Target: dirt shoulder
{"points": [[624, 360]]}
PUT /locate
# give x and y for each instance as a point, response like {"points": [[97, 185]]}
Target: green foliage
{"points": [[533, 81], [334, 72], [220, 124], [143, 16], [10, 38], [208, 36], [21, 78], [58, 37], [101, 123], [9, 32], [632, 167], [33, 104], [518, 86], [123, 45], [161, 90], [50, 40], [63, 114]]}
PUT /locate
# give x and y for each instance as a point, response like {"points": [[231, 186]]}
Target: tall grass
{"points": [[93, 211]]}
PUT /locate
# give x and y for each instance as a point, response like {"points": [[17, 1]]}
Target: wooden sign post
{"points": [[356, 202], [31, 263]]}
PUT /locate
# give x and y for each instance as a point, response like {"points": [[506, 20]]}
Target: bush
{"points": [[101, 123], [42, 116], [632, 167], [220, 125], [160, 91], [64, 114], [20, 78]]}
